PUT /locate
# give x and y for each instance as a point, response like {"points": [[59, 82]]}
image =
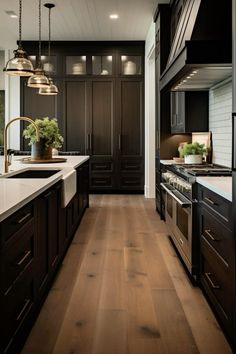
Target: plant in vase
{"points": [[193, 153], [50, 138]]}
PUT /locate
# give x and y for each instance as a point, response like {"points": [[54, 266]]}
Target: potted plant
{"points": [[50, 138], [193, 153]]}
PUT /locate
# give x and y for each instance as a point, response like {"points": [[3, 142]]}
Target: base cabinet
{"points": [[33, 242], [217, 273]]}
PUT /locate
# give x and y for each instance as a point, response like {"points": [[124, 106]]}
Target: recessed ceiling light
{"points": [[114, 16], [12, 14]]}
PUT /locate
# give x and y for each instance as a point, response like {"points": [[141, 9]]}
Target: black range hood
{"points": [[201, 52]]}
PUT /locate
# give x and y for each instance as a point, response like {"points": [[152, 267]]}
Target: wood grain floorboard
{"points": [[122, 290]]}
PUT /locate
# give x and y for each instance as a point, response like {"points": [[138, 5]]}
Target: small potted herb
{"points": [[50, 138], [193, 153]]}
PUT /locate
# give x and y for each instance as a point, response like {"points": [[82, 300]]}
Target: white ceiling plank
{"points": [[78, 20]]}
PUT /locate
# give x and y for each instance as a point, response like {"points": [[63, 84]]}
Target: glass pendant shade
{"points": [[49, 90], [38, 80], [20, 65]]}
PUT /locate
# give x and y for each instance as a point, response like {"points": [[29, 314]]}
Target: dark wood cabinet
{"points": [[33, 242], [100, 108], [189, 112], [48, 237], [17, 283], [76, 116], [130, 134], [217, 271]]}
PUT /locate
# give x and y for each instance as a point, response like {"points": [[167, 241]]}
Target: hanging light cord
{"points": [[20, 12], [49, 36], [39, 61]]}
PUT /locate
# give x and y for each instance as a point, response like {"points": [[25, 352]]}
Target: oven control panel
{"points": [[177, 182]]}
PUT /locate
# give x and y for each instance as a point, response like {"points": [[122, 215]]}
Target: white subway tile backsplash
{"points": [[220, 123]]}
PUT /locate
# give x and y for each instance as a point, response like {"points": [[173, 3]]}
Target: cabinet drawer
{"points": [[16, 306], [17, 255], [217, 279], [101, 181], [127, 166], [216, 204], [102, 166], [218, 235], [133, 182], [16, 221]]}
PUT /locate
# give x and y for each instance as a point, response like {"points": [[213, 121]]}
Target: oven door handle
{"points": [[184, 203]]}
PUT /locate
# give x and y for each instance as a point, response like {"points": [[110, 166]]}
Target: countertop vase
{"points": [[193, 159], [39, 150]]}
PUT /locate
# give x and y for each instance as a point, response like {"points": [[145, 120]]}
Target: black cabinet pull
{"points": [[47, 195], [26, 304], [87, 142], [210, 201], [25, 256], [119, 142], [90, 142], [208, 233], [213, 285], [20, 221]]}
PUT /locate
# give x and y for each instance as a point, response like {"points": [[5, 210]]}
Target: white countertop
{"points": [[14, 193], [170, 162], [220, 185]]}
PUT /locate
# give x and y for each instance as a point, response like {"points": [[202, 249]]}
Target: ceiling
{"points": [[78, 20]]}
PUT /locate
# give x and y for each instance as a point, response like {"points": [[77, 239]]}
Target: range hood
{"points": [[201, 52]]}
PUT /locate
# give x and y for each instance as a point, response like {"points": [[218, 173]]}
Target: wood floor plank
{"points": [[111, 332], [177, 337]]}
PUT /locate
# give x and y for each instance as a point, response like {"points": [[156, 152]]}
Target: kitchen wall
{"points": [[220, 122], [2, 64], [149, 188]]}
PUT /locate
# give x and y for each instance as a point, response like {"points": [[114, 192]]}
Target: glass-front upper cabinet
{"points": [[76, 65], [131, 65], [50, 68], [102, 64]]}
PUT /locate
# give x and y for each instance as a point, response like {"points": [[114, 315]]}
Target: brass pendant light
{"points": [[20, 65], [39, 79], [52, 88]]}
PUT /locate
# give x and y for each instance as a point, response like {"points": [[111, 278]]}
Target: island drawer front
{"points": [[16, 221], [217, 279], [218, 235], [221, 207], [16, 306], [17, 255]]}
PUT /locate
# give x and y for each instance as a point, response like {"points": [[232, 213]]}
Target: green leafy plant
{"points": [[48, 131], [193, 149]]}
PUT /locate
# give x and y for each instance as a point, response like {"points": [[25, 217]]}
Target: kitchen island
{"points": [[38, 219]]}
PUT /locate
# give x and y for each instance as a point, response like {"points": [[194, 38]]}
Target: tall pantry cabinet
{"points": [[100, 107]]}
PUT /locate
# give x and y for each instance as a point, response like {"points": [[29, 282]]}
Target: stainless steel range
{"points": [[179, 191]]}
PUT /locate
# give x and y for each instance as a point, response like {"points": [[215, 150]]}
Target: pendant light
{"points": [[20, 65], [52, 88], [39, 79]]}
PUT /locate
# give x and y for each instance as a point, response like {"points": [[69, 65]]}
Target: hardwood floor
{"points": [[122, 290]]}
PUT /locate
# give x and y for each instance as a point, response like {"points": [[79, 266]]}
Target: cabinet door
{"points": [[101, 134], [177, 112], [130, 133], [35, 106], [48, 238], [76, 116]]}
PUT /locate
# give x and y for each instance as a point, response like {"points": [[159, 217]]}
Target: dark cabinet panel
{"points": [[131, 118], [217, 274], [102, 118], [189, 112], [76, 116], [48, 240]]}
